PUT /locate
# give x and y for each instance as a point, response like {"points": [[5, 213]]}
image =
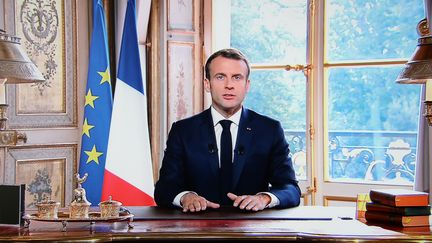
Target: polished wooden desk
{"points": [[156, 224]]}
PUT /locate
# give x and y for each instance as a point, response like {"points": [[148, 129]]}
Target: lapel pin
{"points": [[248, 129]]}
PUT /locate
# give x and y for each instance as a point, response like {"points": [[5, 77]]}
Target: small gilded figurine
{"points": [[80, 206], [79, 194]]}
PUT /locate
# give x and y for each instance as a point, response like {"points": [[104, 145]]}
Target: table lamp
{"points": [[418, 70], [15, 68]]}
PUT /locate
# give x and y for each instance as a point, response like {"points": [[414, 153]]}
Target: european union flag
{"points": [[97, 109]]}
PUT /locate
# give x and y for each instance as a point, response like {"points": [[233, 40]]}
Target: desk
{"points": [[298, 224]]}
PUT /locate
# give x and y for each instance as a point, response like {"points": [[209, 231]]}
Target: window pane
{"points": [[372, 124], [259, 28], [368, 98], [270, 31], [371, 29], [282, 96]]}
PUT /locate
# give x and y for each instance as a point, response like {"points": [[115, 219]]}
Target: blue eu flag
{"points": [[97, 109]]}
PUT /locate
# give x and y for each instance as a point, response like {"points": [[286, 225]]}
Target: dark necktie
{"points": [[226, 162]]}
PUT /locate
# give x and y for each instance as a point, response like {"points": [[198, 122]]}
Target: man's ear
{"points": [[247, 85], [207, 85]]}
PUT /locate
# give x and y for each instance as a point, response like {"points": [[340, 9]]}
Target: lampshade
{"points": [[15, 66], [418, 70]]}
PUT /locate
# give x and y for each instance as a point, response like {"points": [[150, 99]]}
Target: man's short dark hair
{"points": [[227, 53]]}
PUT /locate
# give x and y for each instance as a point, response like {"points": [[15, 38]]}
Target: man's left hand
{"points": [[250, 202]]}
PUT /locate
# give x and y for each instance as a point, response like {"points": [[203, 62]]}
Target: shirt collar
{"points": [[217, 117]]}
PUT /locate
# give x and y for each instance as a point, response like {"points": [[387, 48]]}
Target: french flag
{"points": [[128, 176]]}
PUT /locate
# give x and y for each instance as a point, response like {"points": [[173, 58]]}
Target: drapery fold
{"points": [[423, 180]]}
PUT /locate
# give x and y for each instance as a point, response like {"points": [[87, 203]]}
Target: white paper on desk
{"points": [[336, 227]]}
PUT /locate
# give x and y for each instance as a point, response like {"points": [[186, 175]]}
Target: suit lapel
{"points": [[209, 137], [244, 137]]}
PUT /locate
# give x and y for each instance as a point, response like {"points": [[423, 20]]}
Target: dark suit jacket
{"points": [[261, 158]]}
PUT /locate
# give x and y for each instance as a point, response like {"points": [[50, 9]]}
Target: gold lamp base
{"points": [[8, 137]]}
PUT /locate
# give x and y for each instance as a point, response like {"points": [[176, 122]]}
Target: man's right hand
{"points": [[191, 202]]}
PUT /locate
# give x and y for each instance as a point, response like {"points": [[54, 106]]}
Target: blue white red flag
{"points": [[128, 172]]}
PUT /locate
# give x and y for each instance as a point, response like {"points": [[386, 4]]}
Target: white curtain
{"points": [[423, 180], [143, 16]]}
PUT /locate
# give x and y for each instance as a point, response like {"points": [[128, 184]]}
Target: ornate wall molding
{"points": [[47, 171], [48, 34]]}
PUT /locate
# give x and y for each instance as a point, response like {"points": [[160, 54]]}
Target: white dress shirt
{"points": [[235, 119]]}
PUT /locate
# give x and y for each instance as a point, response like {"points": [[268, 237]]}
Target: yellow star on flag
{"points": [[86, 128], [105, 76], [93, 155], [89, 99]]}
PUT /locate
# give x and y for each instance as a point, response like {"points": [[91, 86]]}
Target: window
{"points": [[372, 121], [327, 71], [270, 46]]}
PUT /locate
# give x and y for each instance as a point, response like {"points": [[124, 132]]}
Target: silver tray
{"points": [[64, 218]]}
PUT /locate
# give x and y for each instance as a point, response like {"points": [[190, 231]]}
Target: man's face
{"points": [[228, 84]]}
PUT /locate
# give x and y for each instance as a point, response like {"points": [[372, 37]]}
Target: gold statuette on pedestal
{"points": [[79, 207]]}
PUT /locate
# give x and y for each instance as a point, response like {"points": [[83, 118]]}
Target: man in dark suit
{"points": [[227, 155]]}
